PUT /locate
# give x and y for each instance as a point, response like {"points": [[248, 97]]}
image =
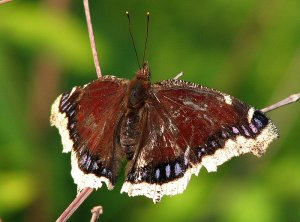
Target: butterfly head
{"points": [[144, 72]]}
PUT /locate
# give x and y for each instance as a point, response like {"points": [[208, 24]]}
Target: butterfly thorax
{"points": [[132, 122]]}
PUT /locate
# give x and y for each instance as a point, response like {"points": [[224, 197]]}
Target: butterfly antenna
{"points": [[147, 34], [132, 39]]}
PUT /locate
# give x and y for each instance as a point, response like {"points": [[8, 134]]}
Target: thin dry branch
{"points": [[96, 212], [75, 204], [4, 1], [291, 99], [91, 36]]}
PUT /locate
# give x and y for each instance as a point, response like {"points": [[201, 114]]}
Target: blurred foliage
{"points": [[249, 49]]}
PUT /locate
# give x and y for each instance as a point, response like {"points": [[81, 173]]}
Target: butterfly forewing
{"points": [[198, 111], [87, 118]]}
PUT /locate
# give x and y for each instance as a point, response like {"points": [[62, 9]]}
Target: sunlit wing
{"points": [[188, 126], [87, 119]]}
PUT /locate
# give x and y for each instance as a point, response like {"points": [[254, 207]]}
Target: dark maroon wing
{"points": [[189, 126], [87, 119]]}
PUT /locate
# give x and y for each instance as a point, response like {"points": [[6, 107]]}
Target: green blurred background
{"points": [[249, 49]]}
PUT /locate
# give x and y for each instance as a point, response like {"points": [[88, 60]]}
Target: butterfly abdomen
{"points": [[130, 132]]}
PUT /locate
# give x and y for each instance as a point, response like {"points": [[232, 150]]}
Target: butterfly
{"points": [[166, 131]]}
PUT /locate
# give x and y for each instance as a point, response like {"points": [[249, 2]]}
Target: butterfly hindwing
{"points": [[158, 161]]}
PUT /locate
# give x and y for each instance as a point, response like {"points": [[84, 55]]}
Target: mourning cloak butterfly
{"points": [[167, 131]]}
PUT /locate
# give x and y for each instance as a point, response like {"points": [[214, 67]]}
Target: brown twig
{"points": [[4, 1], [291, 99], [96, 212], [75, 204], [91, 36]]}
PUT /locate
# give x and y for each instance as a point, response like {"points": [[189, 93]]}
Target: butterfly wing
{"points": [[87, 119], [188, 126]]}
